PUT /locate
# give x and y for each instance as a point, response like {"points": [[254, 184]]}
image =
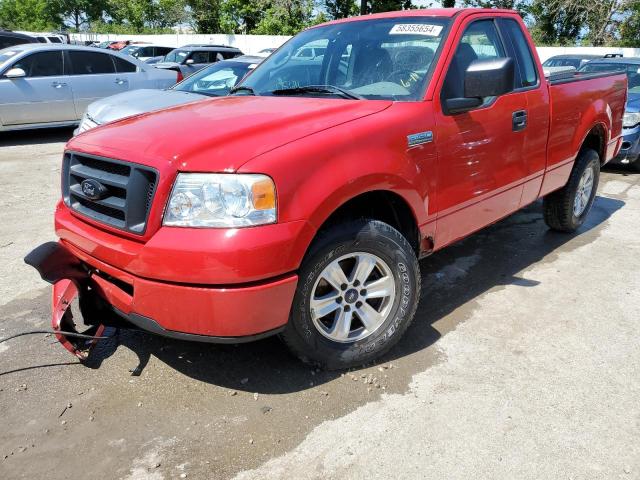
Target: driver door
{"points": [[481, 165], [43, 95]]}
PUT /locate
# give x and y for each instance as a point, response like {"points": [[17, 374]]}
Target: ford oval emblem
{"points": [[93, 189]]}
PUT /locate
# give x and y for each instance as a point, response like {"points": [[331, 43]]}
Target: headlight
{"points": [[221, 201], [631, 119]]}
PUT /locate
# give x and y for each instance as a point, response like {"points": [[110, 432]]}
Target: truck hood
{"points": [[220, 134], [135, 102]]}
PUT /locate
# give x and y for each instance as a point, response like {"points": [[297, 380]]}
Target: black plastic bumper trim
{"points": [[151, 326]]}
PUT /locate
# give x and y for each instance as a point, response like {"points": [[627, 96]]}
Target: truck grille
{"points": [[116, 193]]}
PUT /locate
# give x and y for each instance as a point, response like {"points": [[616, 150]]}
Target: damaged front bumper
{"points": [[70, 281], [108, 297]]}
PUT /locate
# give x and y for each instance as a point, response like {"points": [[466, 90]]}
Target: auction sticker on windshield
{"points": [[416, 29]]}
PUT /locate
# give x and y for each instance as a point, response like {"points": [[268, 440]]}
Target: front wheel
{"points": [[567, 209], [358, 292]]}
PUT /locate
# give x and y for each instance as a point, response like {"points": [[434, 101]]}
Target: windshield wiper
{"points": [[319, 89], [242, 88]]}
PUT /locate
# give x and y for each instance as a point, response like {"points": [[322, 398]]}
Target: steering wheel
{"points": [[403, 76]]}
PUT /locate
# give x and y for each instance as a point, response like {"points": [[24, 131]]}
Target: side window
{"points": [[41, 64], [90, 63], [162, 51], [479, 41], [200, 57], [228, 55], [526, 65], [122, 66]]}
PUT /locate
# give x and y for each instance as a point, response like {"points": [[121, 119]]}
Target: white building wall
{"points": [[249, 44]]}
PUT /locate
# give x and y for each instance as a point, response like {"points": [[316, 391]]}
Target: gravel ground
{"points": [[523, 362]]}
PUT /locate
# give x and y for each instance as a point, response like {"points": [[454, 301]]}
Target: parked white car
{"points": [[48, 85], [144, 52]]}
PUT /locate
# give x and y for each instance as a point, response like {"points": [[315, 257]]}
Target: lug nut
{"points": [[363, 292], [339, 300], [356, 283], [358, 304], [347, 308], [343, 286]]}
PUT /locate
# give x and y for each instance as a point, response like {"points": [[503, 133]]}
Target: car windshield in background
{"points": [[388, 59], [631, 69], [215, 81], [7, 54], [176, 56], [130, 50]]}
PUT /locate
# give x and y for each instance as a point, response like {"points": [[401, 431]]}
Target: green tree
{"points": [[205, 15], [30, 15], [602, 18], [286, 17], [449, 3], [137, 14], [550, 24], [78, 14], [377, 6], [170, 13], [519, 5], [242, 16], [630, 27], [340, 8]]}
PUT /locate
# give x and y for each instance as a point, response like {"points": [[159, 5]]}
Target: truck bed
{"points": [[577, 102]]}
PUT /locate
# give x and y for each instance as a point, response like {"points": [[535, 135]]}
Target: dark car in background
{"points": [[630, 151], [216, 80], [189, 59], [10, 39], [576, 61]]}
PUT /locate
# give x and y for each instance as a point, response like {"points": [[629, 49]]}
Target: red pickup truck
{"points": [[300, 204]]}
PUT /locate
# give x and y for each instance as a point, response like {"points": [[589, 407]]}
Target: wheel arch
{"points": [[596, 139], [377, 203]]}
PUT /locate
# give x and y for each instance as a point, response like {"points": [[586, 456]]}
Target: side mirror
{"points": [[189, 61], [489, 78], [484, 78], [15, 73]]}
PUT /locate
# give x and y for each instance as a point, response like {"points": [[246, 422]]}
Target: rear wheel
{"points": [[358, 292], [565, 210]]}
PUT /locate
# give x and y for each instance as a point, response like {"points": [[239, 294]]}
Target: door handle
{"points": [[120, 81], [519, 120], [58, 84]]}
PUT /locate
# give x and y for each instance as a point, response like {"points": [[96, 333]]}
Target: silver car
{"points": [[213, 81], [191, 58], [47, 85]]}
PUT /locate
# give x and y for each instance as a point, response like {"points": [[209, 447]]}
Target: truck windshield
{"points": [[388, 58]]}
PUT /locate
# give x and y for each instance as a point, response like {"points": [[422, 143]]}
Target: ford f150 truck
{"points": [[301, 204]]}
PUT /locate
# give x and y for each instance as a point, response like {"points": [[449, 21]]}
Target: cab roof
{"points": [[423, 12]]}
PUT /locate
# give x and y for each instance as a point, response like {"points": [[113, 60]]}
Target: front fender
{"points": [[317, 174]]}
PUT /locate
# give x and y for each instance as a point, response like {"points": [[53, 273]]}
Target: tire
{"points": [[561, 212], [635, 166], [319, 340]]}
